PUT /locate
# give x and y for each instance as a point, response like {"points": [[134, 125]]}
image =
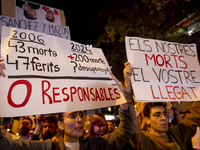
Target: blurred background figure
{"points": [[98, 126], [87, 124], [139, 109], [110, 126], [26, 127], [46, 127], [177, 118]]}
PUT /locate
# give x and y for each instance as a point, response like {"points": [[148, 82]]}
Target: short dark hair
{"points": [[51, 119], [148, 106], [28, 119]]}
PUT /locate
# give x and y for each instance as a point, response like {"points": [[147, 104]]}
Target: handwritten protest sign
{"points": [[47, 74], [163, 71], [51, 29]]}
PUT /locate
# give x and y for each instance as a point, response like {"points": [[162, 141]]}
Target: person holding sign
{"points": [[72, 124], [155, 114]]}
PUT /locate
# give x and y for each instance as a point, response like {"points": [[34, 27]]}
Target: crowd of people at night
{"points": [[144, 128]]}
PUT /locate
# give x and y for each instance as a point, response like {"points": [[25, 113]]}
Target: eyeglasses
{"points": [[74, 115], [158, 114]]}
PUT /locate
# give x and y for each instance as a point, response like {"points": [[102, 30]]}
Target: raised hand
{"points": [[119, 84], [128, 72], [39, 119]]}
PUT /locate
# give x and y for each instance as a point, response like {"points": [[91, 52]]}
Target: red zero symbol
{"points": [[29, 90]]}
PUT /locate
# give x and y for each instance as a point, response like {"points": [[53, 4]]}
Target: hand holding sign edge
{"points": [[119, 84], [128, 72]]}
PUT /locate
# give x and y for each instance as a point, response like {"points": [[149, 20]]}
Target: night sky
{"points": [[82, 18]]}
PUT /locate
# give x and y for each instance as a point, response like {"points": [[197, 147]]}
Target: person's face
{"points": [[74, 124], [50, 14], [26, 127], [158, 120], [110, 126], [33, 12], [99, 128], [49, 130]]}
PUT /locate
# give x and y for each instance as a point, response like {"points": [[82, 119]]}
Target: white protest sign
{"points": [[33, 11], [163, 71], [47, 74], [51, 29]]}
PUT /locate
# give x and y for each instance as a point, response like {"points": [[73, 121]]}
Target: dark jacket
{"points": [[177, 135]]}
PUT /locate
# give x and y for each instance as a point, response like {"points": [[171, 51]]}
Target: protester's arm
{"points": [[129, 127], [139, 139], [127, 76], [119, 84], [10, 144], [2, 67], [193, 118], [124, 132], [128, 72], [187, 128], [38, 127]]}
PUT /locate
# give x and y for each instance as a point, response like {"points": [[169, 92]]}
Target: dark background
{"points": [[82, 18]]}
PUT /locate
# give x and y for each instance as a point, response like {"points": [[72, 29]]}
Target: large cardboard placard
{"points": [[163, 71], [10, 8], [48, 74], [51, 29]]}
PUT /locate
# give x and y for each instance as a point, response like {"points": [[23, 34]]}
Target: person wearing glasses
{"points": [[160, 136], [156, 116], [72, 125]]}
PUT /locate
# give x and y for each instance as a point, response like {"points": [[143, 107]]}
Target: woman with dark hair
{"points": [[98, 126]]}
